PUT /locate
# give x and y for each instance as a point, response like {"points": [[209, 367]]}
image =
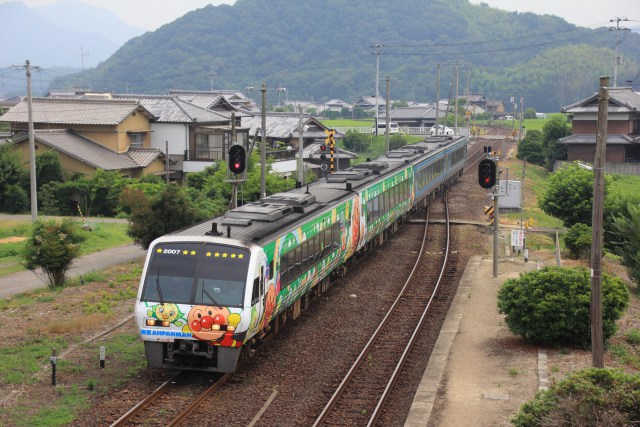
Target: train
{"points": [[211, 292]]}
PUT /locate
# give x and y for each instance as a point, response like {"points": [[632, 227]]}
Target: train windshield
{"points": [[196, 273]]}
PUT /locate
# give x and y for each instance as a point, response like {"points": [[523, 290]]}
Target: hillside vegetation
{"points": [[322, 49]]}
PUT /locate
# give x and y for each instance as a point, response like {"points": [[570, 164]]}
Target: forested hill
{"points": [[321, 49]]}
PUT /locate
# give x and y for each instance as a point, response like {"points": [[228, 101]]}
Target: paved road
{"points": [[25, 281]]}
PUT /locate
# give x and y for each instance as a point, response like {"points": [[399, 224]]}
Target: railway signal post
{"points": [[488, 179]]}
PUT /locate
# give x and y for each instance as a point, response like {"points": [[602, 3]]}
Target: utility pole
{"points": [[387, 121], [438, 98], [377, 52], [300, 151], [32, 144], [82, 55], [597, 344], [212, 74], [32, 149], [263, 145], [457, 95], [521, 117], [617, 29]]}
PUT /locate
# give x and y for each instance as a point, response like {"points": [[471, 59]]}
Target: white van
{"points": [[382, 128]]}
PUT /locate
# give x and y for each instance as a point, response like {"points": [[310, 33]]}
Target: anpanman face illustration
{"points": [[208, 323]]}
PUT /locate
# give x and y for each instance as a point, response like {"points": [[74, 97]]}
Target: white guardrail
{"points": [[403, 129]]}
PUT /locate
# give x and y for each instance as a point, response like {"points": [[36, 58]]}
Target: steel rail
{"points": [[377, 411], [145, 402], [334, 398]]}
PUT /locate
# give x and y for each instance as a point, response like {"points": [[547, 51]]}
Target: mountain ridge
{"points": [[322, 49]]}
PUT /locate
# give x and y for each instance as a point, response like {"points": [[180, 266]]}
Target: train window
{"points": [[222, 293], [327, 241], [255, 293], [271, 269]]}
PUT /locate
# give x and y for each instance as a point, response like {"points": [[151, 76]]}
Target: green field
{"points": [[332, 124]]}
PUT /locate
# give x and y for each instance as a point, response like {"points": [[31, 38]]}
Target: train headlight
{"points": [[231, 328], [151, 322], [215, 327], [165, 323]]}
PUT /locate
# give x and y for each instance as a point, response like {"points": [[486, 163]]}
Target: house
{"points": [[479, 104], [623, 130], [416, 116], [89, 134], [282, 135], [368, 103], [220, 101], [196, 132]]}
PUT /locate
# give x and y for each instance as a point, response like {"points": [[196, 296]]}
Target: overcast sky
{"points": [[151, 14]]}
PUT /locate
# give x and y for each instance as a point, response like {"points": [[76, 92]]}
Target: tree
{"points": [[152, 217], [52, 247], [11, 174], [578, 241], [551, 305], [529, 113], [531, 148], [554, 129], [603, 397], [48, 168], [356, 141], [628, 228], [569, 195]]}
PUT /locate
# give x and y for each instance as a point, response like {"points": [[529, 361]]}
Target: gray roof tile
{"points": [[64, 111], [83, 149]]}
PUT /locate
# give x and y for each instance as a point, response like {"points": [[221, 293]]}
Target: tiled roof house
{"points": [[89, 134]]}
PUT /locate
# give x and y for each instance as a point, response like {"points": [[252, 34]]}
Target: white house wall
{"points": [[176, 134]]}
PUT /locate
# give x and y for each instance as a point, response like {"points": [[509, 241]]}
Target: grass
{"points": [[347, 123], [124, 359], [103, 236], [20, 363]]}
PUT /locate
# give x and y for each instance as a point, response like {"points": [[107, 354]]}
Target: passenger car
{"points": [[439, 130], [382, 127]]}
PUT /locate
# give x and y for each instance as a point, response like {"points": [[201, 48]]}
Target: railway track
{"points": [[162, 402], [363, 393]]}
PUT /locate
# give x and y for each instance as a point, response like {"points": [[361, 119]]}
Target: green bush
{"points": [[52, 247], [19, 199], [578, 241], [551, 305], [590, 397]]}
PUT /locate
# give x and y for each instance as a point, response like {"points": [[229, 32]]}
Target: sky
{"points": [[151, 14]]}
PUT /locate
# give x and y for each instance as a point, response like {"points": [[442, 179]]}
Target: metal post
{"points": [[597, 344], [54, 361], [166, 161], [32, 150], [263, 145]]}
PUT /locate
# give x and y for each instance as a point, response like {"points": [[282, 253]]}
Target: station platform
{"points": [[478, 374]]}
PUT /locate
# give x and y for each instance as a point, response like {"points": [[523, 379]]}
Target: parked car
{"points": [[441, 130], [382, 127]]}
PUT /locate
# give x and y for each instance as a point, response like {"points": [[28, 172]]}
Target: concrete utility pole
{"points": [[377, 52], [32, 148], [32, 144], [496, 228], [457, 95], [300, 151], [212, 74], [438, 97], [597, 343], [263, 145], [617, 29], [388, 131]]}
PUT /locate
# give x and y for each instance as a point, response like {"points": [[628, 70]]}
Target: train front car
{"points": [[191, 304]]}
